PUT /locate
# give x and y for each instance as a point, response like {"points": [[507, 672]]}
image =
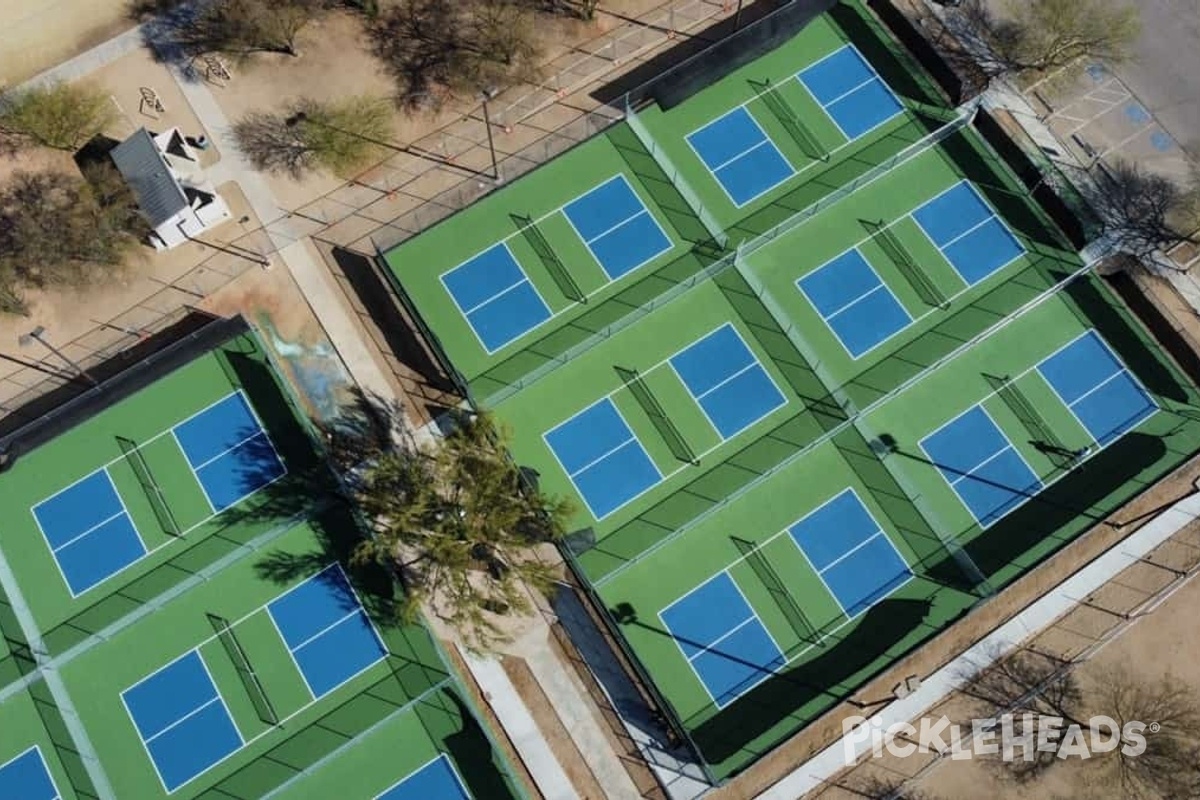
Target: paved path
{"points": [[522, 731]]}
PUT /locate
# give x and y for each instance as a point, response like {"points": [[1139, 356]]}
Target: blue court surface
{"points": [[603, 458], [229, 451], [725, 379], [437, 780], [740, 155], [850, 91], [326, 630], [182, 719], [963, 226], [617, 227], [89, 531], [855, 302], [722, 638], [981, 465], [1104, 396], [495, 295], [854, 557], [26, 778]]}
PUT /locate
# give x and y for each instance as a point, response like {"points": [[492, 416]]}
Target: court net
{"points": [[658, 417], [247, 675], [801, 134], [783, 599], [925, 287], [550, 260], [1031, 419], [154, 493]]}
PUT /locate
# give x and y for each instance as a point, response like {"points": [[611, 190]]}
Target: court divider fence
{"points": [[676, 290], [785, 323], [966, 346], [674, 175], [885, 453]]}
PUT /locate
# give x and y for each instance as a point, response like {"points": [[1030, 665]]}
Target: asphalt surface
{"points": [[1165, 70]]}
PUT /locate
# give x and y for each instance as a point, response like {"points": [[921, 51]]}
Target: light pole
{"points": [[488, 94], [737, 16], [36, 334]]}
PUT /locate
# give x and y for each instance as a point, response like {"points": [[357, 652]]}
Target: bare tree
{"points": [[1044, 695], [59, 115], [1170, 765], [57, 230], [235, 27], [1042, 35], [1036, 689], [341, 137], [1143, 212], [435, 49]]}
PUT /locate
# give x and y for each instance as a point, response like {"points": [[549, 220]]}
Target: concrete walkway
{"points": [[522, 731], [941, 684], [565, 696], [49, 673]]}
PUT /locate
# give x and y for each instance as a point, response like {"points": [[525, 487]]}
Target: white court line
{"points": [[328, 628], [853, 550], [291, 653], [571, 476], [766, 139], [1026, 494], [520, 280], [855, 301], [754, 362], [767, 673], [726, 380], [1122, 369], [359, 609], [184, 718], [45, 768], [603, 455], [971, 472], [901, 108], [969, 231], [77, 537], [440, 756], [670, 243], [706, 648], [524, 276], [872, 78], [741, 155], [145, 742], [882, 285], [1098, 386], [612, 228]]}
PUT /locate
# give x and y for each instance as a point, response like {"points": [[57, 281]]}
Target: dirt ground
{"points": [[37, 34]]}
